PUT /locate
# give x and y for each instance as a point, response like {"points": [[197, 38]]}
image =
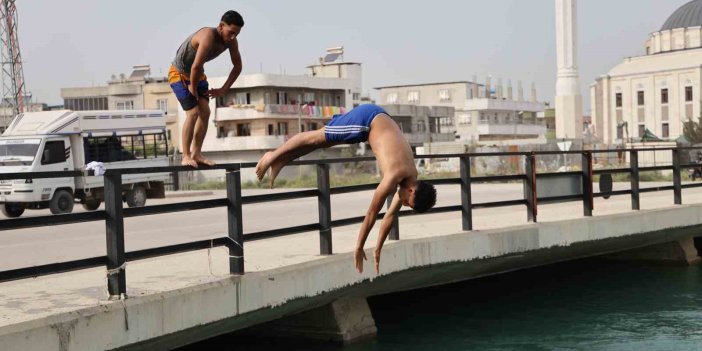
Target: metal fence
{"points": [[114, 214]]}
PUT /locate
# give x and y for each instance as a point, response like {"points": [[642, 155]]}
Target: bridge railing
{"points": [[114, 214]]}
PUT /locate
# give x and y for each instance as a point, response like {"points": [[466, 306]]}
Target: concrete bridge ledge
{"points": [[679, 252]]}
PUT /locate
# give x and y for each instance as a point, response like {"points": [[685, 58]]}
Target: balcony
{"points": [[511, 129], [502, 105], [421, 138], [242, 112], [124, 89], [266, 142]]}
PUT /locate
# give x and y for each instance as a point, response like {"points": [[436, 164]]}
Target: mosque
{"points": [[657, 92]]}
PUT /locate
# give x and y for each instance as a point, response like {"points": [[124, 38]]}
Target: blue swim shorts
{"points": [[352, 127]]}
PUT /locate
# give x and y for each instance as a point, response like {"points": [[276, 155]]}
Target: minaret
{"points": [[520, 91], [500, 92], [510, 93], [569, 100]]}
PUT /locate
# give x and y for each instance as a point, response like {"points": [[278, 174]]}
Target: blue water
{"points": [[583, 305]]}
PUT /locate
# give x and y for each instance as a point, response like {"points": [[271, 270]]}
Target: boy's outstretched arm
{"points": [[385, 188], [385, 226], [235, 56]]}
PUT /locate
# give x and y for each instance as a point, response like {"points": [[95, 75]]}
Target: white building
{"points": [[483, 114], [658, 91]]}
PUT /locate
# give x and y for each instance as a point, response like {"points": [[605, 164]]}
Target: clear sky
{"points": [[72, 43]]}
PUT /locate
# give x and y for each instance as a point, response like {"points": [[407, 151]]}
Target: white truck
{"points": [[67, 140]]}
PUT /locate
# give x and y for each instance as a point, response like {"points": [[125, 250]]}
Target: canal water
{"points": [[582, 305]]}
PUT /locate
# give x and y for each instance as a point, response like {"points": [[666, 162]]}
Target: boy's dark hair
{"points": [[424, 197], [233, 17]]}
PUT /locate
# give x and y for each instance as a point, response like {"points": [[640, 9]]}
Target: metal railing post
{"points": [[114, 228], [176, 181], [395, 229], [530, 188], [588, 196], [634, 165], [235, 221], [324, 207], [677, 181], [466, 200]]}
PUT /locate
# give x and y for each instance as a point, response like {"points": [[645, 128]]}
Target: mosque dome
{"points": [[689, 15]]}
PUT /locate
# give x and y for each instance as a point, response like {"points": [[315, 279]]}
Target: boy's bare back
{"points": [[391, 149]]}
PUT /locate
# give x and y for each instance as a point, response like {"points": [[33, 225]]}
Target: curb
{"points": [[176, 194]]}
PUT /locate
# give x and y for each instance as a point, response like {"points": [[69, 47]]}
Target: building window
{"points": [[282, 128], [618, 98], [445, 121], [243, 99], [642, 130], [665, 130], [413, 97], [86, 103], [641, 97], [125, 105], [664, 96], [312, 126], [405, 124], [243, 129], [162, 105], [620, 132], [270, 129], [688, 94], [282, 98], [391, 98], [356, 96], [444, 95], [309, 98], [464, 118]]}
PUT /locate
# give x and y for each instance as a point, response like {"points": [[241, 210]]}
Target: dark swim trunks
{"points": [[352, 127], [180, 85]]}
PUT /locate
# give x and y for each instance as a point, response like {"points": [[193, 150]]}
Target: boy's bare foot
{"points": [[200, 159], [275, 169], [188, 161], [262, 165]]}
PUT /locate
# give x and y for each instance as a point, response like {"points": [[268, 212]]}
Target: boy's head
{"points": [[421, 197], [230, 25]]}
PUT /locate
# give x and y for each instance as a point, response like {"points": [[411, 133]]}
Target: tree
{"points": [[693, 130]]}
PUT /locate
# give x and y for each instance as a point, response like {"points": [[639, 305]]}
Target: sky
{"points": [[78, 43]]}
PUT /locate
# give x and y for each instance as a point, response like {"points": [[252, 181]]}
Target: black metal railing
{"points": [[114, 214]]}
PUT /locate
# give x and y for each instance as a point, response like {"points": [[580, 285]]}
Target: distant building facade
{"points": [[482, 114], [658, 91]]}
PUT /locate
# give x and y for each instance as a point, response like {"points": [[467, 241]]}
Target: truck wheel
{"points": [[91, 204], [136, 197], [12, 210], [62, 202]]}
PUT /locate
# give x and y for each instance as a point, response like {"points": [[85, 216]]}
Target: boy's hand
{"points": [[193, 91], [216, 92], [360, 256]]}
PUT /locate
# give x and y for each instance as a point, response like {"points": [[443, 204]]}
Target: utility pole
{"points": [[13, 89]]}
